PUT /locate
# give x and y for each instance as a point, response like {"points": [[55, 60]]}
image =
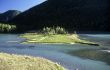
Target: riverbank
{"points": [[18, 62], [54, 39]]}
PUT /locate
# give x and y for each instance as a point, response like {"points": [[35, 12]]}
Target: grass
{"points": [[57, 38], [18, 62]]}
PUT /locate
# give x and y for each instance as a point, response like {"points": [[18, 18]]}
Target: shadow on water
{"points": [[99, 55]]}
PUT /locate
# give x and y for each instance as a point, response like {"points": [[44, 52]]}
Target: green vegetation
{"points": [[54, 35], [7, 27], [53, 30], [18, 62], [58, 39]]}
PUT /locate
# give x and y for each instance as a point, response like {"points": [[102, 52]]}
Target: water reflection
{"points": [[92, 54]]}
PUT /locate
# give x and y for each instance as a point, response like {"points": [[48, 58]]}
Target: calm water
{"points": [[72, 57]]}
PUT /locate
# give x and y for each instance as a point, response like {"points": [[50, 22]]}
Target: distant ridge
{"points": [[8, 15], [81, 15]]}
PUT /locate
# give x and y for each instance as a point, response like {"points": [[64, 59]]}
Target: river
{"points": [[72, 57]]}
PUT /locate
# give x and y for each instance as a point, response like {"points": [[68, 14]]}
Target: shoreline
{"points": [[46, 43], [63, 43], [93, 32]]}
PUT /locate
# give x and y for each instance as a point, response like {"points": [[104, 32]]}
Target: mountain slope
{"points": [[8, 15], [83, 15]]}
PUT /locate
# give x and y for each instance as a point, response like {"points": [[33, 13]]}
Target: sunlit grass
{"points": [[18, 62], [57, 38]]}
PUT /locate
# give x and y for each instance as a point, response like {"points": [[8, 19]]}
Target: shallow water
{"points": [[72, 57]]}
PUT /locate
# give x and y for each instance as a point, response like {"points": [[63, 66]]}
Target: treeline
{"points": [[7, 27], [54, 30]]}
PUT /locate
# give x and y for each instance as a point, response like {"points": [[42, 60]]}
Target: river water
{"points": [[72, 57]]}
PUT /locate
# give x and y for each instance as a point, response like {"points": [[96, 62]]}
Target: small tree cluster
{"points": [[54, 30], [7, 27]]}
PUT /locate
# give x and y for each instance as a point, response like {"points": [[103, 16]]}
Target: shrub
{"points": [[6, 27], [60, 30], [54, 30]]}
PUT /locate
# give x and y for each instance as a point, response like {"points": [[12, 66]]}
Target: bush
{"points": [[60, 30], [6, 27], [54, 30]]}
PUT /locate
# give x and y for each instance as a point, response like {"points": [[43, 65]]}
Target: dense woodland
{"points": [[79, 15]]}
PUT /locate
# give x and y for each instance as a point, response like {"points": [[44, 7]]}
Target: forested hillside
{"points": [[80, 15], [8, 15]]}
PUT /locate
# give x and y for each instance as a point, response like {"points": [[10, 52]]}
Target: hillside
{"points": [[8, 15], [81, 15]]}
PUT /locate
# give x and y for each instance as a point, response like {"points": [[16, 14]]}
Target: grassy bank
{"points": [[57, 38], [17, 62]]}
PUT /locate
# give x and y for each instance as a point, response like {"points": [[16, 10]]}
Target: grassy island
{"points": [[18, 62], [54, 39], [54, 36]]}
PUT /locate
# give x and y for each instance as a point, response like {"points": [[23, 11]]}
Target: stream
{"points": [[72, 57]]}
